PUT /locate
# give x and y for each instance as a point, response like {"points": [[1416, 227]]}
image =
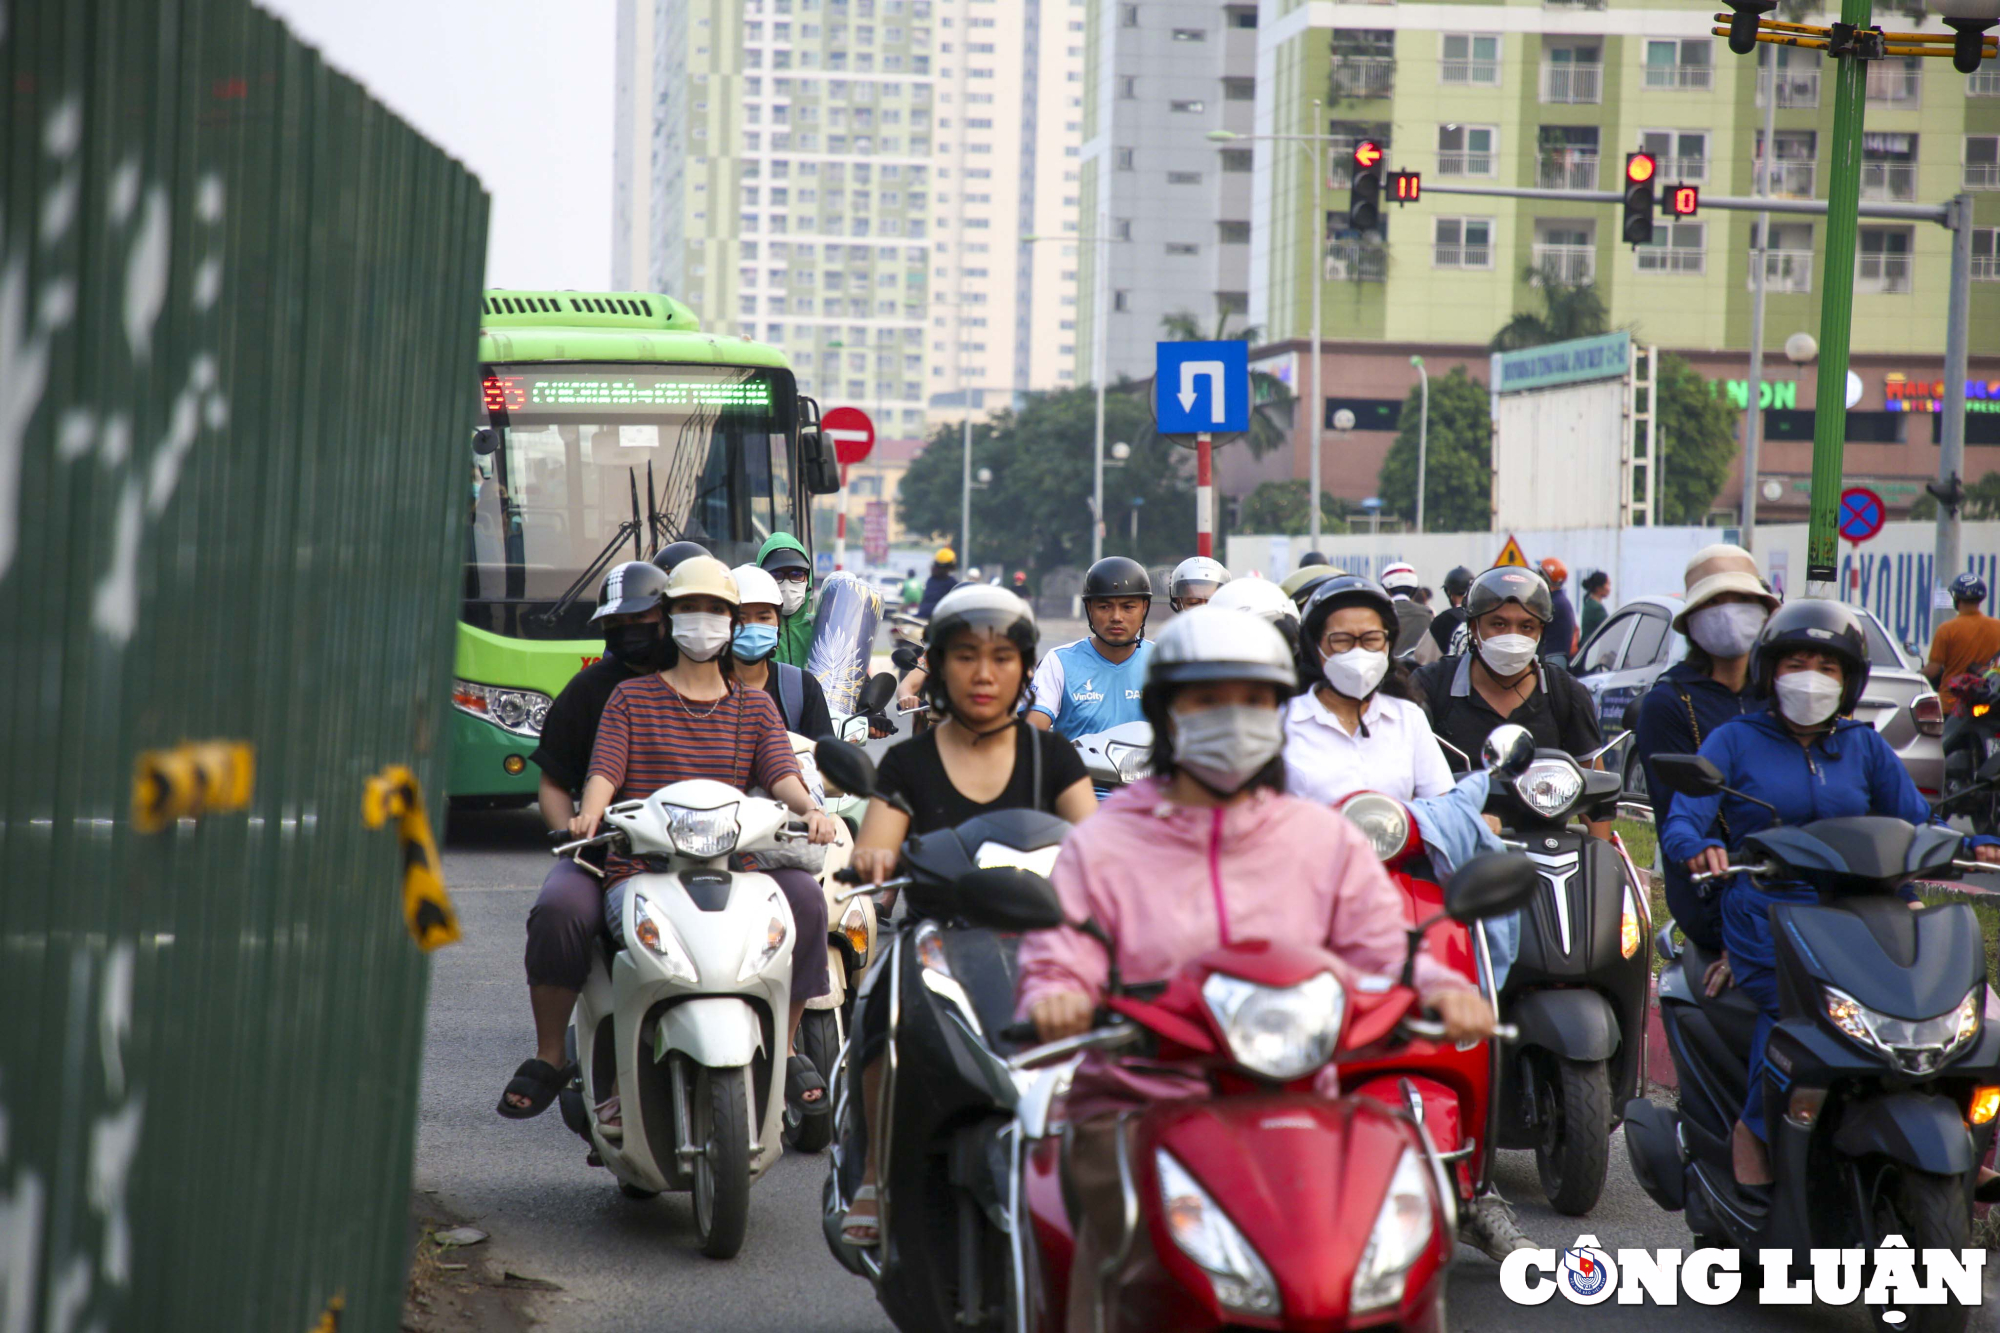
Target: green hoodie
{"points": [[795, 632]]}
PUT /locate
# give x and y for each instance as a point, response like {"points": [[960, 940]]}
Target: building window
{"points": [[1364, 63], [1896, 81], [1242, 18], [1883, 265], [1888, 166], [1985, 254], [1182, 248], [1682, 154], [1239, 90], [1788, 262], [1232, 303], [1232, 233], [1128, 16], [1128, 86], [1682, 65], [1465, 150], [1190, 34], [1239, 159], [1186, 106], [1121, 301], [1565, 250], [1676, 247], [1122, 158], [1183, 178], [1121, 229], [1572, 72], [1982, 161], [1794, 166], [1470, 59], [1462, 242], [1568, 157]]}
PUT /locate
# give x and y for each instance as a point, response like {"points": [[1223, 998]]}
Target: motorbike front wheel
{"points": [[1573, 1152], [819, 1042], [721, 1111], [1929, 1212]]}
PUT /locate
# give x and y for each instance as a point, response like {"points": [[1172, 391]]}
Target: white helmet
{"points": [[1260, 597], [756, 587], [1400, 577], [1210, 644], [1196, 576]]}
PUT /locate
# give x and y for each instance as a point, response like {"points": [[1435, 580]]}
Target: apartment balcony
{"points": [[1461, 256], [1796, 87], [1683, 170], [1892, 83], [1469, 73], [1351, 261], [1982, 175], [1679, 78], [1568, 171], [1792, 178], [1882, 273], [1573, 4], [1363, 76], [1889, 180], [1984, 83], [1787, 271], [1453, 163], [1572, 83], [1569, 264], [1985, 268]]}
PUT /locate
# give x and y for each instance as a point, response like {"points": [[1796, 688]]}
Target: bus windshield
{"points": [[588, 465]]}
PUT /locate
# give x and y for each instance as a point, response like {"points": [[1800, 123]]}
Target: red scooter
{"points": [[1268, 1204]]}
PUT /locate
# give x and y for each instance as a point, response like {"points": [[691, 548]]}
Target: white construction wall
{"points": [[1557, 456]]}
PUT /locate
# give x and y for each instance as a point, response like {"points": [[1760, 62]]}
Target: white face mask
{"points": [[1508, 654], [1728, 630], [700, 635], [1806, 698], [1356, 672], [791, 596], [1227, 746]]}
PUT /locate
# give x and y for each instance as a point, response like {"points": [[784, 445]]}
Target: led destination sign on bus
{"points": [[621, 393]]}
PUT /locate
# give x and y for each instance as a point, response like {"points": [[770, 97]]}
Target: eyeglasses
{"points": [[792, 575], [1374, 641]]}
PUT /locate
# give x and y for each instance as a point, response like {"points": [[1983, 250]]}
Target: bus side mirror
{"points": [[816, 457]]}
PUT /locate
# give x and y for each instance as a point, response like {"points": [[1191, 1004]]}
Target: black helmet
{"points": [[976, 606], [1510, 583], [1823, 626], [630, 588], [1311, 558], [1968, 588], [1458, 582], [1336, 592], [672, 554], [1116, 576]]}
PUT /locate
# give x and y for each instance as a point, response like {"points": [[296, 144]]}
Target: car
{"points": [[1637, 642]]}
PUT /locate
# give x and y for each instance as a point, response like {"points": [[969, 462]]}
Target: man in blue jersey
{"points": [[1093, 684]]}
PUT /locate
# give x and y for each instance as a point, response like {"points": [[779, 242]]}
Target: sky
{"points": [[520, 91]]}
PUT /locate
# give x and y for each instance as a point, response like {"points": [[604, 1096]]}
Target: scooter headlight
{"points": [[1918, 1046], [1549, 787], [1402, 1229], [1282, 1034], [1384, 819], [656, 933], [1243, 1285], [705, 834], [1130, 760], [761, 954]]}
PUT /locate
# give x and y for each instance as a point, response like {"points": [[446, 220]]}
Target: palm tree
{"points": [[1569, 310]]}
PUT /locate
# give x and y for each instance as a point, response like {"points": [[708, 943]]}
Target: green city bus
{"points": [[610, 425]]}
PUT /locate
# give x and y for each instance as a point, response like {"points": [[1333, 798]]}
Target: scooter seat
{"points": [[1732, 1013]]}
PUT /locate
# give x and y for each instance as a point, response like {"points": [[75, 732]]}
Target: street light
{"points": [[1423, 436], [1120, 452], [1100, 354]]}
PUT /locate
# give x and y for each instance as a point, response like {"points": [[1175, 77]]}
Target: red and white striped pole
{"points": [[1204, 497]]}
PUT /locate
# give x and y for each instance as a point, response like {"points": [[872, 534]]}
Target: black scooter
{"points": [[1878, 1070], [947, 1152], [1577, 989], [1972, 758]]}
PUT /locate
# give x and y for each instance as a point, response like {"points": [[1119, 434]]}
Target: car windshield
{"points": [[1882, 650], [587, 465]]}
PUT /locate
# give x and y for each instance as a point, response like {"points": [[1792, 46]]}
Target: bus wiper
{"points": [[628, 528], [660, 530]]}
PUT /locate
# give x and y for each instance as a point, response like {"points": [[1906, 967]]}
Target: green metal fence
{"points": [[238, 316]]}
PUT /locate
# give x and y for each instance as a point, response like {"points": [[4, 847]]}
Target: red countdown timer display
{"points": [[1684, 201], [1407, 186]]}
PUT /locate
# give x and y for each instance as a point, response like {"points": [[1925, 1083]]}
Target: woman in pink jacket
{"points": [[1208, 851]]}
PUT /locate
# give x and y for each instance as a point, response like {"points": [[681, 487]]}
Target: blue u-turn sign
{"points": [[1202, 387]]}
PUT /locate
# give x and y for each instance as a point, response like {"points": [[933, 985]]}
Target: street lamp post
{"points": [[1100, 355], [1423, 435]]}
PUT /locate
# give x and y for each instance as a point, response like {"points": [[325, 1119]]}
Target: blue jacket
{"points": [[1663, 726]]}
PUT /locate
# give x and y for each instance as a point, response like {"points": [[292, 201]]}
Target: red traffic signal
{"points": [[1684, 201], [1367, 154], [1640, 167], [1406, 186]]}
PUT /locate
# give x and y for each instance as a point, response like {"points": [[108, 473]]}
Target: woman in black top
{"points": [[980, 757]]}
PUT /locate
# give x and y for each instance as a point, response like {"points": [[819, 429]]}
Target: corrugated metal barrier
{"points": [[238, 312]]}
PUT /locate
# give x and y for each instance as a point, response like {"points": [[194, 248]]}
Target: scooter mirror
{"points": [[1008, 898], [1688, 774], [877, 693], [1508, 750], [846, 766], [906, 656], [1490, 885]]}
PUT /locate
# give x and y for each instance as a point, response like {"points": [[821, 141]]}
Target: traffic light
{"points": [[1640, 168], [1364, 202], [1405, 187], [1684, 201]]}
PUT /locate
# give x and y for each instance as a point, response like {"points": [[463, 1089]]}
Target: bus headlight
{"points": [[521, 712]]}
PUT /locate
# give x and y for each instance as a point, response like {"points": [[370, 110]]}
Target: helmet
{"points": [[756, 587], [1346, 590], [1116, 576], [1400, 577], [1824, 626], [1458, 581], [1557, 571], [672, 554], [628, 589], [1968, 588], [972, 575], [945, 556], [1020, 576], [1311, 558], [1263, 599], [977, 606], [1298, 584], [785, 557], [1510, 583], [1208, 643], [1196, 576], [702, 576]]}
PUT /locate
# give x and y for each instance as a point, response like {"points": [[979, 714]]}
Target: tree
{"points": [[1458, 458], [1272, 404], [1569, 310], [1697, 438], [1282, 507], [1035, 514]]}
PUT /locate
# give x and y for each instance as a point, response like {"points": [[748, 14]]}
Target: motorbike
{"points": [[685, 1021], [1578, 987], [1118, 756], [1882, 1077], [1972, 753]]}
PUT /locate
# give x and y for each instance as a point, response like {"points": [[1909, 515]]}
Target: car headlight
{"points": [[519, 711], [1384, 819], [704, 834], [1630, 931], [854, 929], [1918, 1046], [1549, 786], [1402, 1230], [1130, 760], [1242, 1283], [1282, 1034], [776, 931], [650, 924]]}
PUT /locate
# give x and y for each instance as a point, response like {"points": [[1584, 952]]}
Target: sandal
{"points": [[862, 1230], [538, 1081], [802, 1078]]}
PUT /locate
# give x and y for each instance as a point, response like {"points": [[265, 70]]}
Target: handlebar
{"points": [[604, 839], [901, 881], [1097, 1039], [1431, 1030], [1727, 872]]}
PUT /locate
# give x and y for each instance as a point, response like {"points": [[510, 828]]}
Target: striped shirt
{"points": [[650, 737]]}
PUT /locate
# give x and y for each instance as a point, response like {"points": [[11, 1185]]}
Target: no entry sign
{"points": [[852, 433]]}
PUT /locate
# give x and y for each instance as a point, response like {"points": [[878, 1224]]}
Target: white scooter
{"points": [[686, 1023], [1119, 756]]}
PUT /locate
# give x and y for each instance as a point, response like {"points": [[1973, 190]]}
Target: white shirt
{"points": [[1398, 756]]}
